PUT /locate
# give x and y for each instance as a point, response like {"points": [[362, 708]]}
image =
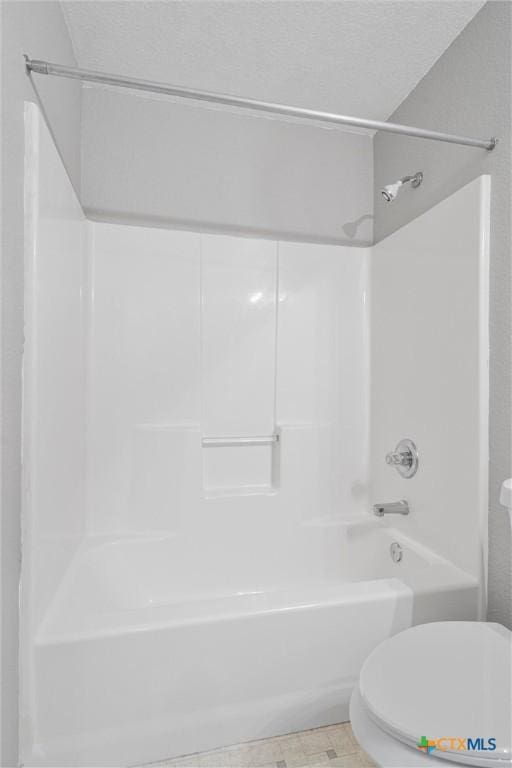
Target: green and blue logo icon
{"points": [[426, 745]]}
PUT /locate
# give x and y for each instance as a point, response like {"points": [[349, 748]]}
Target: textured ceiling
{"points": [[357, 57]]}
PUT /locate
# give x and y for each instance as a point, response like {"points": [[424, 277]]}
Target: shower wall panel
{"points": [[322, 381], [54, 381], [238, 297], [238, 356], [196, 336], [429, 340], [53, 369], [144, 398]]}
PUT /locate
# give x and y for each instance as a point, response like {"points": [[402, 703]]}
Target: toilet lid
{"points": [[449, 683]]}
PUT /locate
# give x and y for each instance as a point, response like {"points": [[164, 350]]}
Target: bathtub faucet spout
{"points": [[392, 508]]}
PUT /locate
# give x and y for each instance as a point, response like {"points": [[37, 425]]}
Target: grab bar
{"points": [[216, 442]]}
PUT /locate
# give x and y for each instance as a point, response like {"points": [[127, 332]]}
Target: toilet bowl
{"points": [[437, 694]]}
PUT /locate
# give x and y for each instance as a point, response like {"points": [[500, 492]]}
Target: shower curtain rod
{"points": [[90, 76]]}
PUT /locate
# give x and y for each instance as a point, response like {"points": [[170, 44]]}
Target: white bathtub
{"points": [[132, 667]]}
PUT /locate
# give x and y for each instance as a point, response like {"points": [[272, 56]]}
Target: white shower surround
{"points": [[125, 560]]}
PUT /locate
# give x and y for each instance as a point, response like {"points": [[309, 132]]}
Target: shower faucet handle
{"points": [[404, 458]]}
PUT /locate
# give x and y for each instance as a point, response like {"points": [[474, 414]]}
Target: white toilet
{"points": [[449, 683]]}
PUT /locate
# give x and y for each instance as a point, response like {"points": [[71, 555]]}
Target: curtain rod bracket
{"points": [[33, 65]]}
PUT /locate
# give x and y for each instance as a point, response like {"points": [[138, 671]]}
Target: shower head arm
{"points": [[415, 179]]}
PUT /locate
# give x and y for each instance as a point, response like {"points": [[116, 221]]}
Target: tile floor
{"points": [[333, 745]]}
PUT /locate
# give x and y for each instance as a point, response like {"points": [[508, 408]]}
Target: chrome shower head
{"points": [[390, 191]]}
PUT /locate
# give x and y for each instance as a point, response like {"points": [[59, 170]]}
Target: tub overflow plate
{"points": [[396, 552]]}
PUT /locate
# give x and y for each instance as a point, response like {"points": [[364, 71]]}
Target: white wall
{"points": [[468, 91], [429, 373], [159, 162], [36, 28]]}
